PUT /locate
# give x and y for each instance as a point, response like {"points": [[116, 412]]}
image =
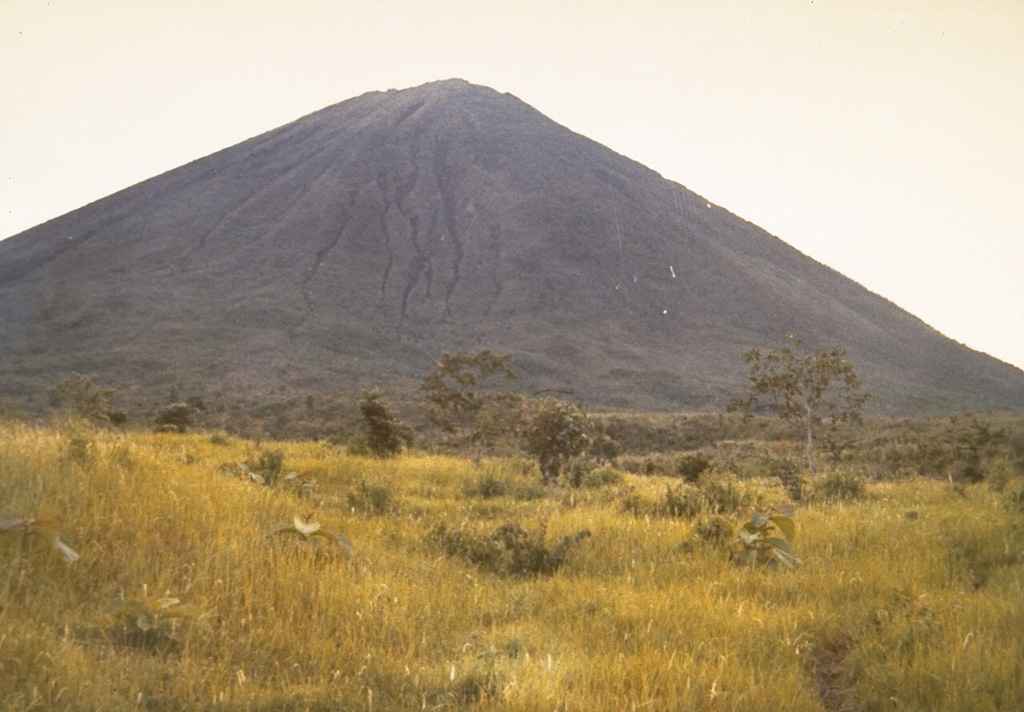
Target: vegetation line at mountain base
{"points": [[187, 595]]}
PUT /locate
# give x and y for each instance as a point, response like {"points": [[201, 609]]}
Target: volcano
{"points": [[352, 246]]}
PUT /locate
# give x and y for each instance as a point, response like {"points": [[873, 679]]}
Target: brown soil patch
{"points": [[830, 677]]}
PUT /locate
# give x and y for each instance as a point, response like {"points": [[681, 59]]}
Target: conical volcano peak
{"points": [[350, 247], [450, 92], [448, 103], [444, 90]]}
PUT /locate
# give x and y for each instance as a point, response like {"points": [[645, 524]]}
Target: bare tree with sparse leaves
{"points": [[806, 387]]}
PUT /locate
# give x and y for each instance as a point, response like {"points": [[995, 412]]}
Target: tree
{"points": [[804, 387], [89, 401], [458, 402], [385, 431], [554, 432]]}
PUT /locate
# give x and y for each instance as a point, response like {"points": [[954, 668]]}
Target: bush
{"points": [[528, 491], [175, 418], [722, 497], [839, 486], [927, 459], [681, 501], [220, 439], [687, 501], [967, 471], [516, 478], [554, 433], [1015, 500], [88, 401], [268, 465], [509, 549], [715, 530], [605, 448], [578, 469], [601, 477], [637, 504], [999, 473], [386, 433], [788, 473], [372, 499], [488, 485], [647, 465], [690, 467], [357, 445], [78, 444], [759, 542]]}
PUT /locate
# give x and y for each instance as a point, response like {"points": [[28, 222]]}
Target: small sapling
{"points": [[758, 543]]}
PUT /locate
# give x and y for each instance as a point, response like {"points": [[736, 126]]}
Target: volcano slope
{"points": [[350, 247]]}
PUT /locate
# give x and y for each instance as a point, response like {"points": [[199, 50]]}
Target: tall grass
{"points": [[909, 598]]}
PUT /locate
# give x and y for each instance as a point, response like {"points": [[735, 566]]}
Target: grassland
{"points": [[909, 597]]}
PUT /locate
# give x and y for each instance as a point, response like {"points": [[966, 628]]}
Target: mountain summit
{"points": [[350, 247]]}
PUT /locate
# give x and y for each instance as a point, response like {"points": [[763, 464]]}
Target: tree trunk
{"points": [[550, 470]]}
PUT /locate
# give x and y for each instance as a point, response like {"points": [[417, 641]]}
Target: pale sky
{"points": [[882, 138]]}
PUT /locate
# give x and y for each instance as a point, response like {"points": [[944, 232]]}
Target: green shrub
{"points": [[758, 543], [516, 478], [681, 501], [637, 504], [787, 471], [651, 466], [529, 490], [487, 485], [577, 469], [554, 432], [220, 439], [839, 486], [89, 401], [686, 501], [602, 477], [722, 496], [175, 418], [691, 466], [267, 465], [715, 530], [385, 432], [509, 549], [372, 500], [968, 470], [605, 448], [999, 473], [930, 459]]}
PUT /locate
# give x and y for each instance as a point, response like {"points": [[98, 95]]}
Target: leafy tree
{"points": [[459, 403], [89, 401], [554, 432], [804, 387], [385, 431]]}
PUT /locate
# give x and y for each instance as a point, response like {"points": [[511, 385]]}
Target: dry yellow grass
{"points": [[909, 599]]}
